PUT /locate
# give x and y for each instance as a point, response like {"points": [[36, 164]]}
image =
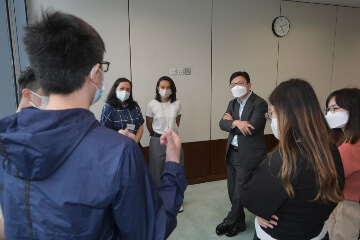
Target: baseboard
{"points": [[205, 160]]}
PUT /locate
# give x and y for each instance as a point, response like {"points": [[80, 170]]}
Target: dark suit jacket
{"points": [[252, 148]]}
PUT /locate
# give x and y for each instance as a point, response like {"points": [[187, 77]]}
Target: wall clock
{"points": [[280, 26]]}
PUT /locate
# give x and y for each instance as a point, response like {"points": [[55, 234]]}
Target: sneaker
{"points": [[181, 209]]}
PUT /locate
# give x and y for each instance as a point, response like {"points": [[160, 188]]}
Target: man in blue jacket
{"points": [[65, 177]]}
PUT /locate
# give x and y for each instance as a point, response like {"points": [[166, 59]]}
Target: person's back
{"points": [[64, 176], [299, 217], [297, 186]]}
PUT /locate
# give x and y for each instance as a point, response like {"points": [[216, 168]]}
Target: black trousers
{"points": [[236, 174]]}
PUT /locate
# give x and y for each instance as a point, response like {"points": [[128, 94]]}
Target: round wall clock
{"points": [[280, 26]]}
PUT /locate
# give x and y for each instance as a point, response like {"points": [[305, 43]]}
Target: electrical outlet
{"points": [[172, 71], [187, 71], [180, 71]]}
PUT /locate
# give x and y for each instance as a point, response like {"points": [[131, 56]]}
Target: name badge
{"points": [[131, 127]]}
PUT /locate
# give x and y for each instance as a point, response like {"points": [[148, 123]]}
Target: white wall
{"points": [[346, 72], [172, 33], [307, 51], [242, 41], [110, 20]]}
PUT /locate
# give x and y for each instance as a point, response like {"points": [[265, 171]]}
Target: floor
{"points": [[205, 206]]}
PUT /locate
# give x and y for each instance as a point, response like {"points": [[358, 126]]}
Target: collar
{"points": [[244, 102]]}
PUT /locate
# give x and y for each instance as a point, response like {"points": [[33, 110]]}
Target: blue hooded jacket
{"points": [[63, 176]]}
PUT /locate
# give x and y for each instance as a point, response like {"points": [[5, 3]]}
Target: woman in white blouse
{"points": [[163, 113]]}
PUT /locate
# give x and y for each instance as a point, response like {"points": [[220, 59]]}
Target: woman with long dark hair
{"points": [[121, 111], [163, 113], [343, 113], [298, 185]]}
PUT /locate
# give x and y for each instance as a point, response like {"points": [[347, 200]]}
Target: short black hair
{"points": [[62, 50], [27, 80], [242, 74], [349, 99], [172, 86], [112, 98]]}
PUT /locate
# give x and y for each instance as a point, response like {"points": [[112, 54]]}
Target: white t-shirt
{"points": [[164, 115]]}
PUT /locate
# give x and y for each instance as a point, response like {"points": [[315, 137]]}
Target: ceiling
{"points": [[348, 3]]}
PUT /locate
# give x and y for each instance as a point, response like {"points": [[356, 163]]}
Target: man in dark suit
{"points": [[245, 121]]}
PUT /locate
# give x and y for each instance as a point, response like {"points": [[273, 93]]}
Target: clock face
{"points": [[281, 26]]}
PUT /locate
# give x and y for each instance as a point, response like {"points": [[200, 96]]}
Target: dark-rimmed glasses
{"points": [[240, 83], [105, 66]]}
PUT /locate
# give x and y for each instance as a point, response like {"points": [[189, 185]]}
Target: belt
{"points": [[234, 148], [154, 134]]}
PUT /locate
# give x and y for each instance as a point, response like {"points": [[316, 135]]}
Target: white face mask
{"points": [[44, 101], [122, 95], [337, 119], [165, 93], [98, 92], [239, 91], [274, 127]]}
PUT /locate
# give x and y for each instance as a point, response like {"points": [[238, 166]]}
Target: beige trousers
{"points": [[344, 221]]}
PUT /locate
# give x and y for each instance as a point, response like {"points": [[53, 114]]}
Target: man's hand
{"points": [[173, 146], [267, 224], [127, 133], [227, 117], [243, 126]]}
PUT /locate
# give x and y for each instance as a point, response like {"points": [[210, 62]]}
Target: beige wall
{"points": [[307, 51], [216, 38], [242, 40], [172, 33], [346, 70]]}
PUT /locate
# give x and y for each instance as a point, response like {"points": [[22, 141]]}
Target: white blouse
{"points": [[164, 115]]}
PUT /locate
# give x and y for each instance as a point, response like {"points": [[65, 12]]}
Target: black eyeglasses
{"points": [[105, 66], [240, 83]]}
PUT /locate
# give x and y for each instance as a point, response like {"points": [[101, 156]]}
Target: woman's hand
{"points": [[127, 133], [267, 224]]}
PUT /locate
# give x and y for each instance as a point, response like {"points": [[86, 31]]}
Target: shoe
{"points": [[234, 230], [222, 228], [181, 209]]}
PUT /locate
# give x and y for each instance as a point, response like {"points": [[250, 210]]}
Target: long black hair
{"points": [[112, 98], [172, 86]]}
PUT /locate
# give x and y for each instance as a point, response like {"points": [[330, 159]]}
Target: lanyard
{"points": [[168, 120]]}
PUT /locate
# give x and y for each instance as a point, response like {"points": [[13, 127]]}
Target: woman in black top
{"points": [[297, 186]]}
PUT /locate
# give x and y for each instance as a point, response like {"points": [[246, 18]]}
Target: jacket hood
{"points": [[35, 143]]}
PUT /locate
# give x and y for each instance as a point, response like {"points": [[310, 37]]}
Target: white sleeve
{"points": [[180, 108], [149, 110]]}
